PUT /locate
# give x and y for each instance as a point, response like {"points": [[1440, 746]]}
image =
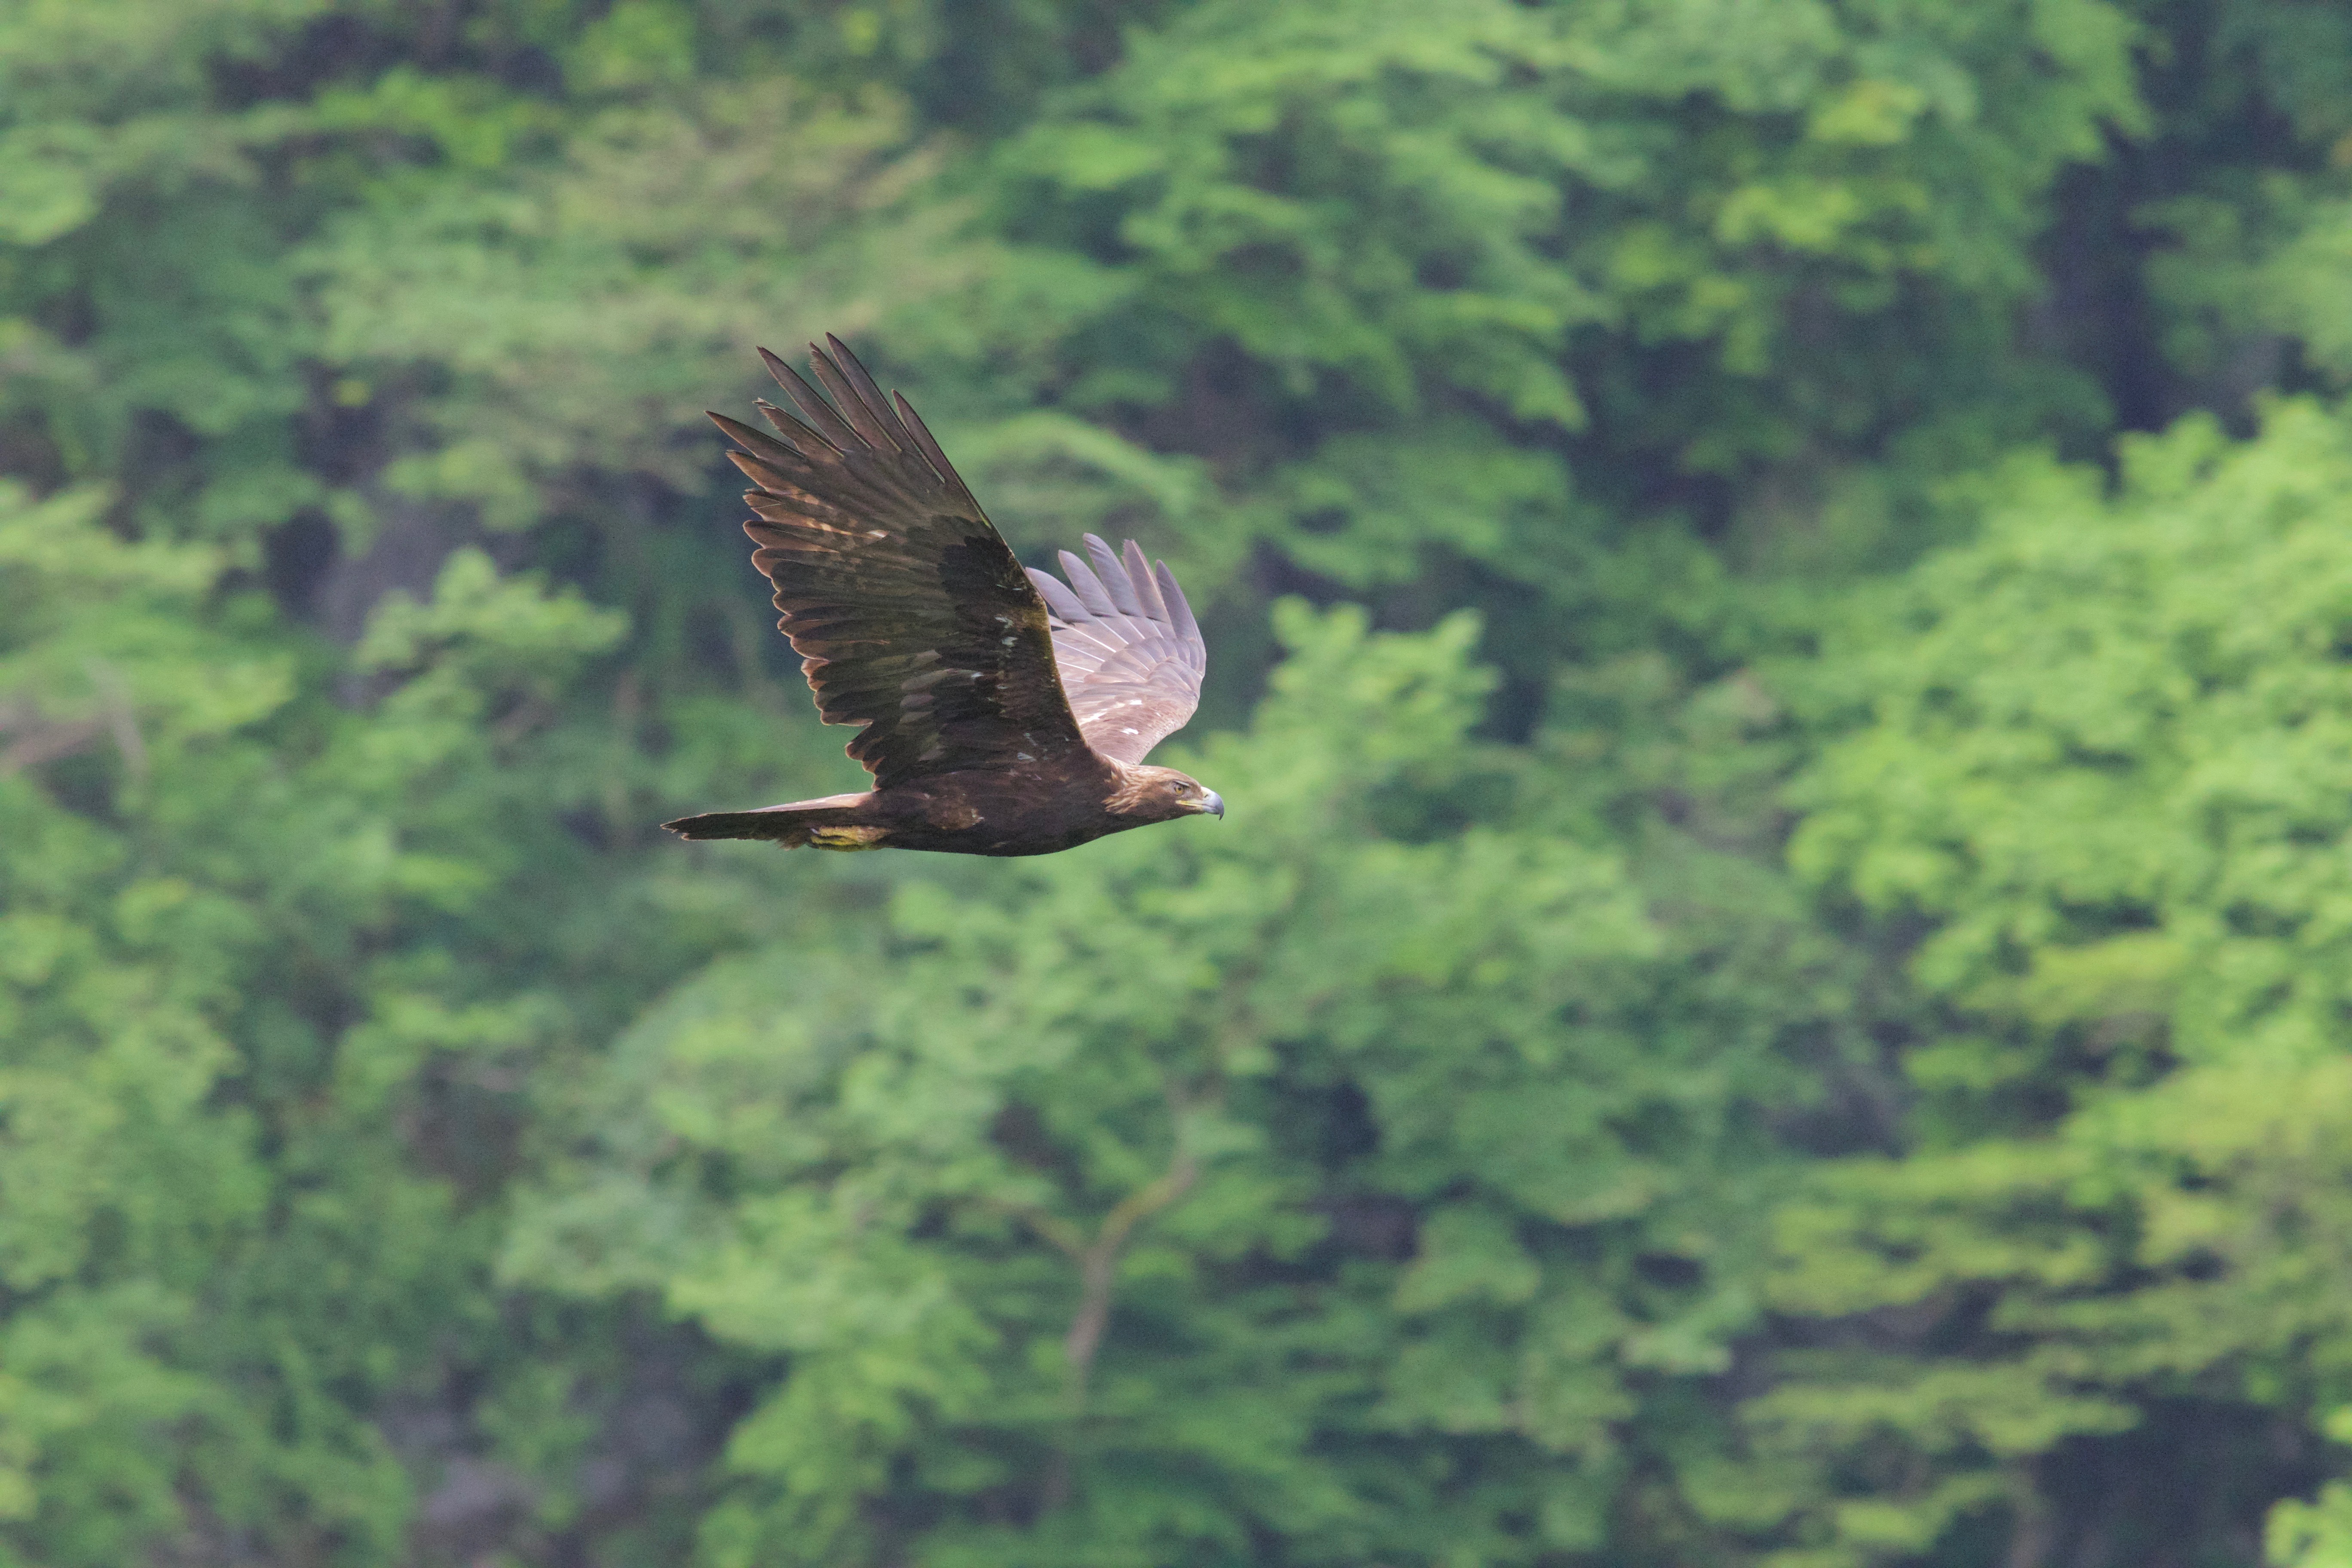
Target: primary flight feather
{"points": [[1000, 711]]}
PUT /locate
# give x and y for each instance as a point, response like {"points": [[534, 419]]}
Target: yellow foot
{"points": [[848, 838]]}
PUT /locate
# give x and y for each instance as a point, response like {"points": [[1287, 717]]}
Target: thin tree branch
{"points": [[1098, 1260]]}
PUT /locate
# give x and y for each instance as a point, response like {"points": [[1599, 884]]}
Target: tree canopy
{"points": [[1779, 581]]}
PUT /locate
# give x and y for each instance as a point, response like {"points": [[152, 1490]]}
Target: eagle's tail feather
{"points": [[835, 822]]}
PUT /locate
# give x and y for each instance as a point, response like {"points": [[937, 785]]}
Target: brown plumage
{"points": [[1000, 712]]}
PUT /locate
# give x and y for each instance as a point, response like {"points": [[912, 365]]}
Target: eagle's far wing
{"points": [[1130, 652], [910, 613]]}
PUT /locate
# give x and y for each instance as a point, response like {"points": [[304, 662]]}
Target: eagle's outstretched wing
{"points": [[910, 614], [1130, 652]]}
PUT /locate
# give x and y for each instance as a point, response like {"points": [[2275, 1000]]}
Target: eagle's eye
{"points": [[1184, 789]]}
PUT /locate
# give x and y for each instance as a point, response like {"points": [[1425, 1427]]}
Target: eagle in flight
{"points": [[1002, 711]]}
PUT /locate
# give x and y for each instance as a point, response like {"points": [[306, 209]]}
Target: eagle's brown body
{"points": [[1000, 712], [1036, 810]]}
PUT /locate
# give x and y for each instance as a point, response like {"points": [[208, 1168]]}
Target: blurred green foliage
{"points": [[1774, 989]]}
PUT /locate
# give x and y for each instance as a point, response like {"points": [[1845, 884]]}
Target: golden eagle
{"points": [[1003, 712]]}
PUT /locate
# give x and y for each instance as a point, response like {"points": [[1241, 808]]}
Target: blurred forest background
{"points": [[1777, 989]]}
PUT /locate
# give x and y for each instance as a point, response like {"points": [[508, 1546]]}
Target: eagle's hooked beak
{"points": [[1213, 804]]}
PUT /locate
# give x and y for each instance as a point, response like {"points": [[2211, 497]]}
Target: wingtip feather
{"points": [[1147, 587], [1180, 614], [829, 426], [1114, 578], [1087, 586], [862, 402], [927, 443], [760, 442]]}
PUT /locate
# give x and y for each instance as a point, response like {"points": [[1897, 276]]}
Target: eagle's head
{"points": [[1162, 795]]}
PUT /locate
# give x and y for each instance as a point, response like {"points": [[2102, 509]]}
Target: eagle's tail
{"points": [[835, 822]]}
